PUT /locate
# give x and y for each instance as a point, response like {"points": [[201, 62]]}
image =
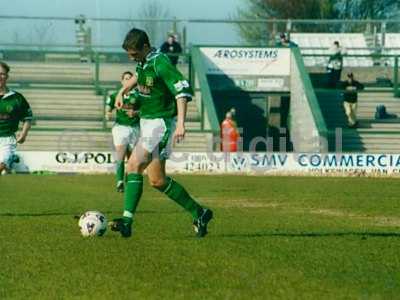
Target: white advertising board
{"points": [[247, 61], [220, 163]]}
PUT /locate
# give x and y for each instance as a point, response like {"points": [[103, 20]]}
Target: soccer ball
{"points": [[92, 223]]}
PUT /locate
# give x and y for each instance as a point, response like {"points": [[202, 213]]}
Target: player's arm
{"points": [[125, 89], [180, 88], [109, 113], [109, 107], [181, 104], [134, 101], [24, 132], [26, 116]]}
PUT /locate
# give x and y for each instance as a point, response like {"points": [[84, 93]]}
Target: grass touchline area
{"points": [[272, 237]]}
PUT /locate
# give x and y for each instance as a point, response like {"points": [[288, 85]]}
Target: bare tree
{"points": [[156, 30], [43, 34], [153, 11]]}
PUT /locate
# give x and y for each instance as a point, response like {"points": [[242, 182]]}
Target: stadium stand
{"points": [[319, 43], [69, 115], [37, 72], [69, 104], [391, 46], [373, 136]]}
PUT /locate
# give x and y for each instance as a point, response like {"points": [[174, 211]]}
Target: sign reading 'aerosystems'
{"points": [[247, 61], [261, 69]]}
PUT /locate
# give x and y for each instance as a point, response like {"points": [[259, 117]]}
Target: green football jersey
{"points": [[130, 101], [160, 84], [13, 109]]}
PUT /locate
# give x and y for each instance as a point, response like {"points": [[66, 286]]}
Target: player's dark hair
{"points": [[135, 39], [126, 73], [5, 66]]}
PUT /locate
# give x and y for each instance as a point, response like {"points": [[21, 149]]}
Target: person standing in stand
{"points": [[172, 49]]}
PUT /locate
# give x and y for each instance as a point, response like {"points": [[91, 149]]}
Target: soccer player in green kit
{"points": [[13, 109], [163, 99], [126, 130]]}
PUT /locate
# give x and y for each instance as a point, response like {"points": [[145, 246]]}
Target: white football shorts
{"points": [[156, 136], [125, 135], [8, 146]]}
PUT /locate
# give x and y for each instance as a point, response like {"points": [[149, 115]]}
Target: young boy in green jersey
{"points": [[125, 131], [163, 99], [13, 109]]}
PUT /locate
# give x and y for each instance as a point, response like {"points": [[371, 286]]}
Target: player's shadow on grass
{"points": [[311, 234], [77, 215], [48, 214]]}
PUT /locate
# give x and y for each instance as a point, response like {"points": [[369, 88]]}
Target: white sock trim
{"points": [[169, 186], [128, 214]]}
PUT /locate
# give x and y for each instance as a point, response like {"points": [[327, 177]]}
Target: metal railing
{"points": [[207, 107], [196, 73], [374, 56], [109, 32], [308, 128]]}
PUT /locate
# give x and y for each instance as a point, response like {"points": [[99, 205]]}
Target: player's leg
{"points": [[138, 159], [133, 140], [151, 132], [337, 75], [120, 137], [168, 186], [3, 168], [120, 151], [331, 78], [347, 110], [7, 152], [137, 163], [354, 113], [176, 192], [128, 153]]}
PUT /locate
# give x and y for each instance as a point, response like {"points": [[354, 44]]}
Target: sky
{"points": [[115, 8], [111, 33]]}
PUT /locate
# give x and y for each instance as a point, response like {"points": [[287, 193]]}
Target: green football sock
{"points": [[133, 192], [120, 170], [178, 193]]}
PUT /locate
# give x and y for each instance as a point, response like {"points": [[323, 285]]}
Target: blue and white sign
{"points": [[222, 163], [309, 163]]}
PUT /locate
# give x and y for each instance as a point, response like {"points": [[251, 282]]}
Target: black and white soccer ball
{"points": [[92, 223]]}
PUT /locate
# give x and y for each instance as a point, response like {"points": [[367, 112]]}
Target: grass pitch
{"points": [[272, 237]]}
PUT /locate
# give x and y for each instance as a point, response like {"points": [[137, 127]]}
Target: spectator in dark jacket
{"points": [[284, 41], [350, 98], [335, 64], [172, 48]]}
